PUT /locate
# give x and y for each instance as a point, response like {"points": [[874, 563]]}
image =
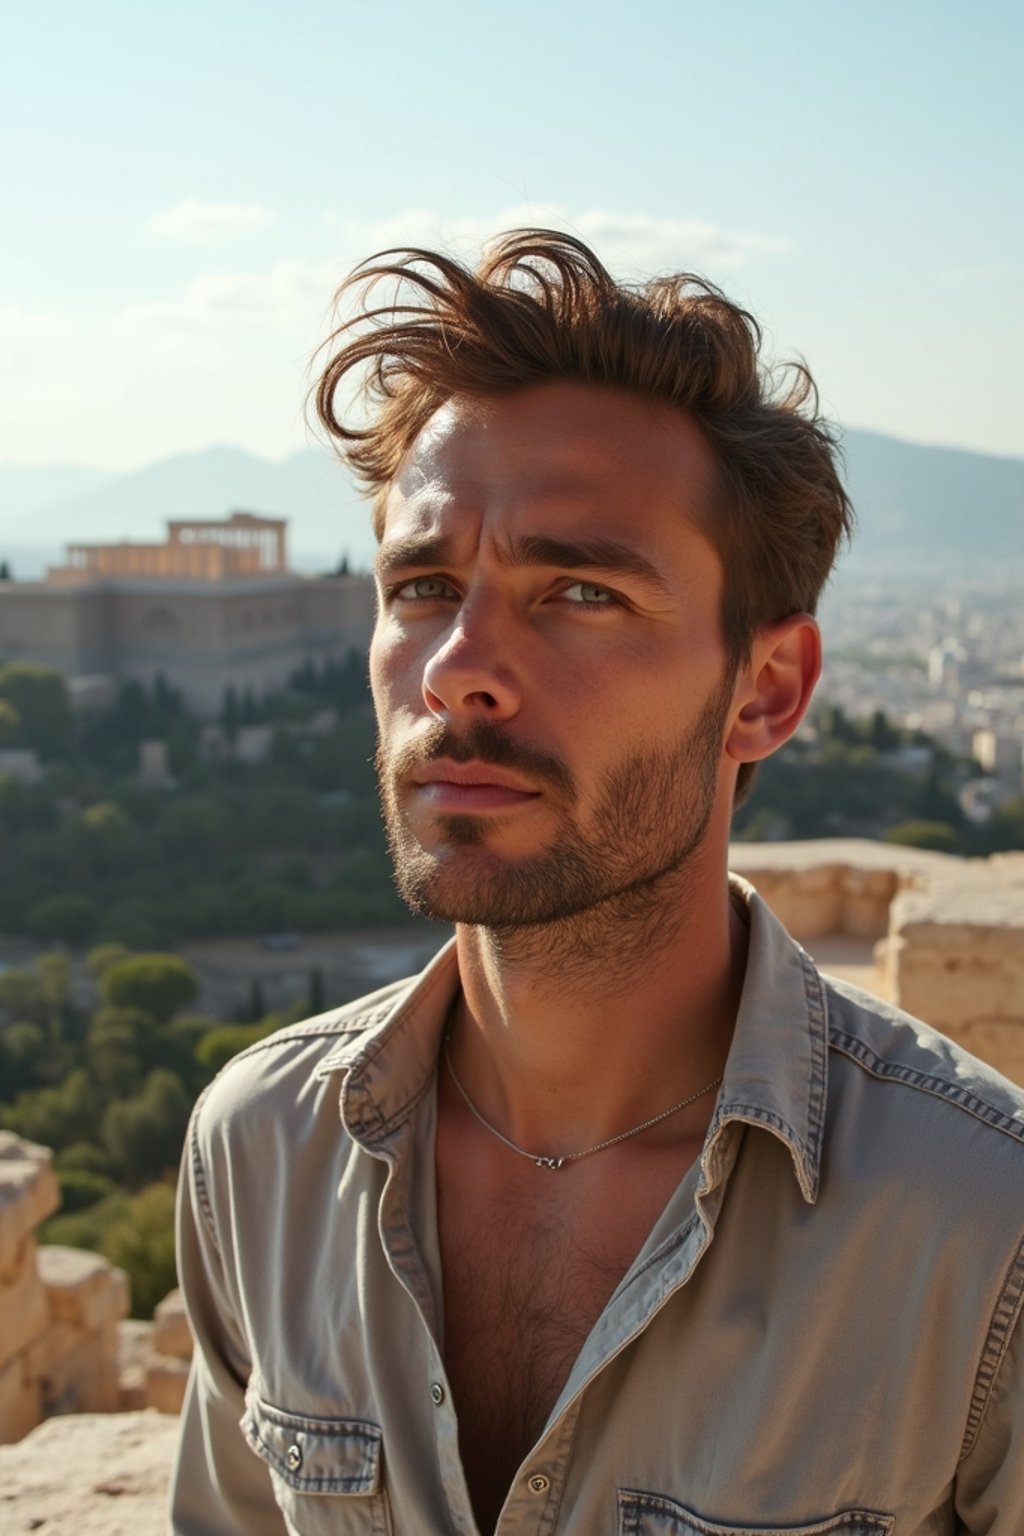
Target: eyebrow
{"points": [[532, 550]]}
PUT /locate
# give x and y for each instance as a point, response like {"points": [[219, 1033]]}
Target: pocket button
{"points": [[293, 1457], [538, 1483]]}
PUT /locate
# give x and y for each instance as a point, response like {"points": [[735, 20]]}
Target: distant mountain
{"points": [[326, 514], [24, 490], [935, 506], [941, 505]]}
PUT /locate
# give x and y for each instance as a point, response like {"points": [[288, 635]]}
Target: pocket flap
{"points": [[314, 1455], [649, 1514]]}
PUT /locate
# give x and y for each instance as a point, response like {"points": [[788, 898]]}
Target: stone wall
{"points": [[59, 1307], [950, 931]]}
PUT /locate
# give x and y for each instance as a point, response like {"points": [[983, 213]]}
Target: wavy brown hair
{"points": [[540, 307]]}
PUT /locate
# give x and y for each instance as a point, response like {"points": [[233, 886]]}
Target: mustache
{"points": [[482, 742]]}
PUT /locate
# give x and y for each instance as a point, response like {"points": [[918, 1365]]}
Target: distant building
{"points": [[213, 607], [1000, 754], [944, 663]]}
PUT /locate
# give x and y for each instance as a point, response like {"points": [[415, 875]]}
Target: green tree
{"points": [[85, 1156], [23, 1055], [219, 1045], [257, 1006], [102, 956], [141, 1242], [80, 1188], [40, 697], [1006, 829], [938, 835], [66, 917], [54, 971], [21, 994], [883, 736], [144, 1134], [110, 838], [10, 725], [118, 1049], [56, 1116], [195, 830], [159, 984]]}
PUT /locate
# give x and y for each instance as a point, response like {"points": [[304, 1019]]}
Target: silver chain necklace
{"points": [[555, 1163]]}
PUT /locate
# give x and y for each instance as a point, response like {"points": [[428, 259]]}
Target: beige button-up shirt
{"points": [[819, 1336]]}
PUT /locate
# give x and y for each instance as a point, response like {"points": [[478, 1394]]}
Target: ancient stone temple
{"points": [[213, 607]]}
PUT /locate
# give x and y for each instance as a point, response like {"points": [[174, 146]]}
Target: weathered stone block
{"points": [[85, 1290], [996, 1041], [28, 1191], [20, 1405], [166, 1380], [84, 1380], [24, 1308], [171, 1332]]}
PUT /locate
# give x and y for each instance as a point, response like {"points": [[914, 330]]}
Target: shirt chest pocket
{"points": [[326, 1473], [647, 1514]]}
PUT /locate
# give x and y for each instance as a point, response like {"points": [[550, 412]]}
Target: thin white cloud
{"points": [[287, 298], [25, 325], [627, 243], [196, 222], [291, 298]]}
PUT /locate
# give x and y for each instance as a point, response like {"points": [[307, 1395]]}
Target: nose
{"points": [[471, 672]]}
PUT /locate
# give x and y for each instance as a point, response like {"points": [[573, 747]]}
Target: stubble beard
{"points": [[613, 879]]}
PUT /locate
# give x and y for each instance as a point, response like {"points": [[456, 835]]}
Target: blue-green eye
{"points": [[588, 594], [425, 588]]}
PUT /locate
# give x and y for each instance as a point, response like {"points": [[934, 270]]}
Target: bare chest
{"points": [[526, 1273], [521, 1293]]}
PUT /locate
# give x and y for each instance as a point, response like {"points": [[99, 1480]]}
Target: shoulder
{"points": [[893, 1047], [944, 1119], [290, 1070]]}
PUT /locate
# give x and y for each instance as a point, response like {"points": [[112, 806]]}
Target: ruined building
{"points": [[214, 606]]}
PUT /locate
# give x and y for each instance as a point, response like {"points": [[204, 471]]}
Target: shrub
{"points": [[160, 984], [79, 1189], [141, 1241], [67, 918]]}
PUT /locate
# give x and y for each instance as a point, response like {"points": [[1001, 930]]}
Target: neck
{"points": [[569, 1033]]}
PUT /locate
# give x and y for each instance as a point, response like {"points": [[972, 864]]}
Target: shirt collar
{"points": [[775, 1075]]}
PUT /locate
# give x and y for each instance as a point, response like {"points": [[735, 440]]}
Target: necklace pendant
{"points": [[550, 1162]]}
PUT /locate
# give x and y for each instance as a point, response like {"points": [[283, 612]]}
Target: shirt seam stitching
{"points": [[817, 1009], [930, 1083], [199, 1173], [997, 1342]]}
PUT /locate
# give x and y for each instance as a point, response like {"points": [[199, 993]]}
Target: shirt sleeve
{"points": [[219, 1487], [989, 1494]]}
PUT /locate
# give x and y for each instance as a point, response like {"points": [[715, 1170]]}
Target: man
{"points": [[619, 1218]]}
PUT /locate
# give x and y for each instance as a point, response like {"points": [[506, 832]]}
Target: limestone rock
{"points": [[90, 1475], [171, 1333], [28, 1192], [85, 1289]]}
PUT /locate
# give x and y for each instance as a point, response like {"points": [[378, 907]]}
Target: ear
{"points": [[774, 689]]}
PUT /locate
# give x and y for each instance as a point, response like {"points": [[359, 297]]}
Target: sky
{"points": [[184, 185]]}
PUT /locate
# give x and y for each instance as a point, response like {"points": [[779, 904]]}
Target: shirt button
{"points": [[293, 1456], [436, 1394], [538, 1483]]}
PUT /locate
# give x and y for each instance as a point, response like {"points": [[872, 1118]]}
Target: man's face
{"points": [[551, 684]]}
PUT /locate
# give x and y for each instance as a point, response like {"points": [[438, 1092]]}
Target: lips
{"points": [[447, 785]]}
